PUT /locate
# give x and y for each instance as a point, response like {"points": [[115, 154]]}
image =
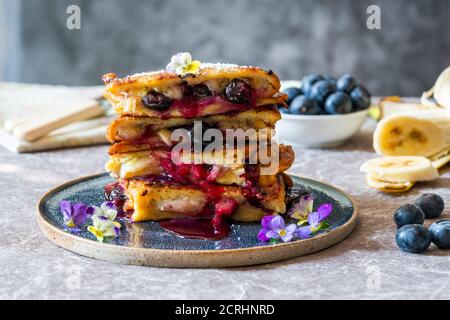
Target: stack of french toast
{"points": [[161, 152]]}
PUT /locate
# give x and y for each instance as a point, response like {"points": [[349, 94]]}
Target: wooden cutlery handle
{"points": [[39, 126]]}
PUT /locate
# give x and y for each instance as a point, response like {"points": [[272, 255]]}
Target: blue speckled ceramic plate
{"points": [[147, 243]]}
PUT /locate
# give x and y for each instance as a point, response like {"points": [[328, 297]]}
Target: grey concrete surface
{"points": [[367, 265], [293, 37]]}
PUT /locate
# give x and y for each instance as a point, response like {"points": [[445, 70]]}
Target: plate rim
{"points": [[48, 229]]}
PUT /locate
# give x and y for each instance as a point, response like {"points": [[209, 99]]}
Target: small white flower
{"points": [[181, 64], [107, 210], [102, 227]]}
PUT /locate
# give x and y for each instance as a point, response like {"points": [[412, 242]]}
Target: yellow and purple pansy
{"points": [[307, 224], [103, 218], [182, 64]]}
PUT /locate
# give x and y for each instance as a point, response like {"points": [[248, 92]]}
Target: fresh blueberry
{"points": [[304, 105], [413, 238], [408, 214], [431, 204], [321, 90], [360, 97], [283, 109], [338, 103], [201, 90], [155, 100], [292, 93], [346, 83], [237, 91], [329, 78], [440, 234], [309, 81]]}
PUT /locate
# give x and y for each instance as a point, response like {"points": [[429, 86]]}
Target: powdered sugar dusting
{"points": [[216, 66], [219, 66]]}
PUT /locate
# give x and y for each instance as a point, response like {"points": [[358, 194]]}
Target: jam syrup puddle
{"points": [[196, 228]]}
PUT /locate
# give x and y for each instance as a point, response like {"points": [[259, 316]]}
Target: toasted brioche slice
{"points": [[152, 201], [126, 94], [224, 170], [145, 130]]}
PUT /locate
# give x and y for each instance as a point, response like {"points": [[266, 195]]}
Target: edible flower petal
{"points": [[182, 64], [302, 208], [74, 215], [103, 227], [304, 232], [107, 209], [274, 228], [315, 219]]}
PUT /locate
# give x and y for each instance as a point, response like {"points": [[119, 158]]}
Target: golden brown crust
{"points": [[150, 80]]}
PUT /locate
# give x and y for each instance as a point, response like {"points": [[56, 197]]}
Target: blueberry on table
{"points": [[321, 90], [360, 97], [155, 100], [292, 92], [308, 81], [440, 234], [338, 103], [431, 204], [408, 214], [346, 83], [304, 105], [413, 238]]}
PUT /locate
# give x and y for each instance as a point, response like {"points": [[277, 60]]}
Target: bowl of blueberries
{"points": [[322, 111]]}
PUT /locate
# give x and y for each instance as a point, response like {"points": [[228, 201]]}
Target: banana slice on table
{"points": [[386, 186], [414, 136], [400, 169]]}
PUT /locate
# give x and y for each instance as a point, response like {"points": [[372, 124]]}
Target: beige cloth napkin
{"points": [[19, 101]]}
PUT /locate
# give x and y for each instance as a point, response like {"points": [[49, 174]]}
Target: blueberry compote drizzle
{"points": [[213, 221], [115, 193]]}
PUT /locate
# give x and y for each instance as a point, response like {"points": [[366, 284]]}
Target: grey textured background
{"points": [[293, 37]]}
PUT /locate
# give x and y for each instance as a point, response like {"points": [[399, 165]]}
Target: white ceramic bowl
{"points": [[318, 131]]}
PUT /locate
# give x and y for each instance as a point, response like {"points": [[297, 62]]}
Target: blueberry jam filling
{"points": [[237, 95], [213, 222], [156, 101], [115, 193]]}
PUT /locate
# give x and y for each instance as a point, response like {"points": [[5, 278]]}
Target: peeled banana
{"points": [[393, 105], [400, 169], [423, 134], [439, 94]]}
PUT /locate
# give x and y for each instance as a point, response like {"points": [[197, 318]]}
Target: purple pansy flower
{"points": [[301, 207], [304, 232], [74, 215], [315, 219], [274, 228]]}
